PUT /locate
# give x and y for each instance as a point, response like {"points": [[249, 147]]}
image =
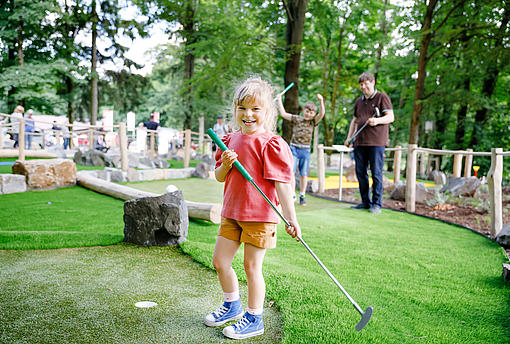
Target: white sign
{"points": [[108, 120], [130, 120]]}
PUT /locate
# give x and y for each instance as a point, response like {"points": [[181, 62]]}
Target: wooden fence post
{"points": [[468, 163], [187, 147], [201, 134], [1, 137], [341, 175], [494, 178], [91, 137], [321, 173], [21, 140], [397, 157], [423, 166], [411, 178], [123, 146], [457, 165]]}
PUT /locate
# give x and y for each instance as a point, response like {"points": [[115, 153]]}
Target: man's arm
{"points": [[322, 109], [388, 118], [352, 128], [281, 109]]}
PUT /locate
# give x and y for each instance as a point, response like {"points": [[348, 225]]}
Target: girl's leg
{"points": [[253, 259], [224, 253]]}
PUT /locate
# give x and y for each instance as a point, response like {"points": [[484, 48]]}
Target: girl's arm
{"points": [[284, 191], [227, 160]]}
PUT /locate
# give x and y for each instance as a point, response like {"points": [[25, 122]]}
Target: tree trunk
{"points": [[93, 72], [460, 131], [384, 31], [296, 10], [189, 62], [419, 90], [328, 127], [69, 90], [329, 133]]}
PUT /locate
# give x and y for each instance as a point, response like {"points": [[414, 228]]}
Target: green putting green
{"points": [[428, 281]]}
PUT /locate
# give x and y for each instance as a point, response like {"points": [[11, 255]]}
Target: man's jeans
{"points": [[373, 156]]}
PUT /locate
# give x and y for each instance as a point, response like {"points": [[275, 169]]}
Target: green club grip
{"points": [[224, 148]]}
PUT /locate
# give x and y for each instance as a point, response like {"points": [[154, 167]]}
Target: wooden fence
{"points": [[93, 131], [494, 176]]}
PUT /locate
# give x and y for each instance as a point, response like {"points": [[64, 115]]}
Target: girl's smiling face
{"points": [[250, 115]]}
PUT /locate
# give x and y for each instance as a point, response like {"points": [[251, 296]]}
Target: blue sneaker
{"points": [[249, 326], [227, 312]]}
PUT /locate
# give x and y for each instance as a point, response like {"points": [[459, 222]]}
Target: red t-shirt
{"points": [[267, 158]]}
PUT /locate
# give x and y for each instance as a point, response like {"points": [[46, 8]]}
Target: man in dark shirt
{"points": [[150, 125], [375, 109]]}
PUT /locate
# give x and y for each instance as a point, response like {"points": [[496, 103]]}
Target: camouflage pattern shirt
{"points": [[302, 131]]}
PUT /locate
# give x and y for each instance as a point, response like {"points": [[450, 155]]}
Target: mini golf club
{"points": [[286, 89], [376, 114], [366, 315]]}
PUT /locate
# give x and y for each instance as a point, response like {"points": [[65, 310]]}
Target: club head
{"points": [[365, 318]]}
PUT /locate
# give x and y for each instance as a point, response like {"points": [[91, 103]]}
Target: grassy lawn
{"points": [[427, 281]]}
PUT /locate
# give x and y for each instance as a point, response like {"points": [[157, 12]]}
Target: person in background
{"points": [[302, 133], [65, 134], [150, 125], [369, 145], [220, 128], [17, 114], [29, 129]]}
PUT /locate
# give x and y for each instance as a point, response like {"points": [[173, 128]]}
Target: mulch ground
{"points": [[462, 213]]}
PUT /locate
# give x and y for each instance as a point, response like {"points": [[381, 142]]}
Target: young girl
{"points": [[246, 217]]}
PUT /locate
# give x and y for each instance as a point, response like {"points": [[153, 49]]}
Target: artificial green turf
{"points": [[180, 163], [67, 217], [427, 281], [87, 295]]}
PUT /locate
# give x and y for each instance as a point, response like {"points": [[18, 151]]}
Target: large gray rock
{"points": [[156, 221], [93, 157], [422, 193], [202, 170], [438, 177], [503, 237], [11, 183], [461, 186]]}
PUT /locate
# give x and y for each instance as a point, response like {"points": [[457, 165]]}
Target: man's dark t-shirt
{"points": [[364, 108], [151, 125]]}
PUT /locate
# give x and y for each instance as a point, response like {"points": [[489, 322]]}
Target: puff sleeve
{"points": [[277, 160], [217, 156]]}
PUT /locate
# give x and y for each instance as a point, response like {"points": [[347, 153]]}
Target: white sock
{"points": [[229, 297], [301, 194], [255, 311]]}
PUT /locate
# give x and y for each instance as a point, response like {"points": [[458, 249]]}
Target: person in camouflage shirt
{"points": [[302, 132]]}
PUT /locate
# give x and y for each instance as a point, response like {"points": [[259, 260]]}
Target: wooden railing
{"points": [[494, 176]]}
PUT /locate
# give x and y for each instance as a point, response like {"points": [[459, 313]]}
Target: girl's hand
{"points": [[319, 97], [228, 158], [294, 230]]}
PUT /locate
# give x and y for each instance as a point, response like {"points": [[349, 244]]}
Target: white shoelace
{"points": [[242, 323], [221, 311]]}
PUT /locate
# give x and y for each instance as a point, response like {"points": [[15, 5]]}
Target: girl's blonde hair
{"points": [[254, 88]]}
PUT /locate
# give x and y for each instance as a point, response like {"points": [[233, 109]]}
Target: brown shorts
{"points": [[259, 234]]}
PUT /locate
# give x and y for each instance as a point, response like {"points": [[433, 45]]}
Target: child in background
{"points": [[302, 132], [246, 217]]}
